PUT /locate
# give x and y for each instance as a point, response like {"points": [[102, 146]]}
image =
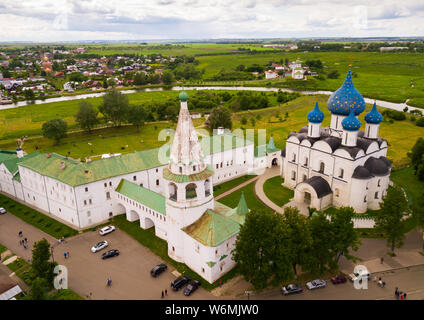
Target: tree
{"points": [[390, 219], [333, 74], [39, 289], [320, 256], [29, 95], [418, 212], [261, 253], [417, 153], [167, 77], [41, 265], [140, 79], [115, 107], [86, 116], [55, 129], [343, 235], [243, 120], [299, 239], [220, 117], [137, 116]]}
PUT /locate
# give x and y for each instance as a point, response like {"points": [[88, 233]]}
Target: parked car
{"points": [[110, 254], [99, 246], [316, 284], [359, 276], [191, 287], [106, 230], [180, 282], [2, 211], [158, 270], [338, 279], [291, 289]]}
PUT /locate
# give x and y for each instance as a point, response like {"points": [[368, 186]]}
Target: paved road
{"points": [[241, 185], [259, 188], [88, 272], [409, 280]]}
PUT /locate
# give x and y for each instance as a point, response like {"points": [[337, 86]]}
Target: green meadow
{"points": [[401, 135]]}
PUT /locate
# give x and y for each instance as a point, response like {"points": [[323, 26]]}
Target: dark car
{"points": [[291, 289], [191, 287], [338, 279], [158, 270], [180, 282], [110, 254]]}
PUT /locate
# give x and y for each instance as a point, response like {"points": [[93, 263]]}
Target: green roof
{"points": [[78, 173], [183, 96], [168, 175], [12, 163], [211, 229], [242, 208], [271, 146], [7, 154], [142, 195]]}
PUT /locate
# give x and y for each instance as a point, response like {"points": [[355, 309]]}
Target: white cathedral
{"points": [[170, 188], [339, 165]]}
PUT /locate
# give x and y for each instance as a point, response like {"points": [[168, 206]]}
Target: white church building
{"points": [[339, 165], [170, 188]]}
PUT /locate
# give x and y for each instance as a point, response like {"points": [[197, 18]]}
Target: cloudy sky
{"points": [[70, 20]]}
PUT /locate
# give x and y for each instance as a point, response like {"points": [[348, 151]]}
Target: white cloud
{"points": [[55, 20]]}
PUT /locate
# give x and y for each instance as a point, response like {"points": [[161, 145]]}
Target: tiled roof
{"points": [[78, 173], [142, 195], [211, 229], [168, 175]]}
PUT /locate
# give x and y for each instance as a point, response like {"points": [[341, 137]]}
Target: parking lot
{"points": [[87, 272]]}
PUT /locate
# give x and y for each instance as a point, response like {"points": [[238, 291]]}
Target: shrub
{"points": [[420, 122]]}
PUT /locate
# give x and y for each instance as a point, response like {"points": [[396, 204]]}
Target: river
{"points": [[380, 103]]}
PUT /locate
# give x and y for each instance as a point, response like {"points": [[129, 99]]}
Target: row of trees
{"points": [[271, 248]]}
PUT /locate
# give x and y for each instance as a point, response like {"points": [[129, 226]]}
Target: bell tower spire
{"points": [[186, 153]]}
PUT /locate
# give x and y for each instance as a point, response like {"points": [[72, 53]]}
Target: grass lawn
{"points": [[276, 192], [36, 219], [253, 202], [159, 247], [406, 179], [223, 187]]}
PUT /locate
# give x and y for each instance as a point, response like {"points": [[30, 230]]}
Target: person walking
{"points": [[20, 234], [384, 284], [67, 254], [26, 240], [404, 296], [109, 282], [166, 292], [162, 293], [381, 260], [64, 254]]}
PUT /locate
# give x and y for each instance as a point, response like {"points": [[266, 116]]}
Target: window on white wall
{"points": [[376, 195], [341, 173], [321, 167], [86, 189], [293, 177], [378, 182], [108, 195]]}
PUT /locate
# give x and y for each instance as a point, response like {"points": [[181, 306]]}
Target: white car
{"points": [[316, 284], [359, 276], [2, 211], [106, 230], [99, 246]]}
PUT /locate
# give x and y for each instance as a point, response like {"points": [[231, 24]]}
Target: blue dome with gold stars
{"points": [[351, 123], [316, 115], [374, 117], [345, 98]]}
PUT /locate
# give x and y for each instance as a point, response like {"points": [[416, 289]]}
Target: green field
{"points": [[379, 76], [253, 202], [401, 135], [223, 187]]}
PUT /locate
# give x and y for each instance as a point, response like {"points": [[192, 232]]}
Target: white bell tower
{"points": [[189, 189]]}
